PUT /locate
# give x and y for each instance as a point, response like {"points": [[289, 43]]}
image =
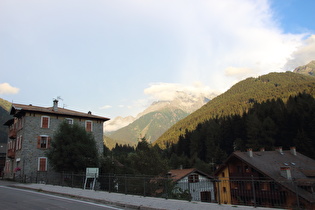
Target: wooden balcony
{"points": [[11, 153], [261, 194], [243, 176]]}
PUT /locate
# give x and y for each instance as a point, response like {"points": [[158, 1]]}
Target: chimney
{"points": [[55, 107], [279, 149], [293, 151], [250, 152], [285, 171], [89, 112]]}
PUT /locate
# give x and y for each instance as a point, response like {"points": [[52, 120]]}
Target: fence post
{"points": [[218, 191], [109, 182], [144, 186], [254, 193], [125, 184], [166, 187]]}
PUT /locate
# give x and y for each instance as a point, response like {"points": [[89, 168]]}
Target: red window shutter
{"points": [[88, 126], [45, 122], [38, 142], [21, 140], [48, 142], [42, 164]]}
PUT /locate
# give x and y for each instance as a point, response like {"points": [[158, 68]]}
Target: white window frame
{"points": [[86, 121], [41, 121], [47, 137], [69, 121]]}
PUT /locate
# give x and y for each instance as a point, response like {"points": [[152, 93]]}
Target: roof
{"points": [[178, 174], [269, 163], [17, 109]]}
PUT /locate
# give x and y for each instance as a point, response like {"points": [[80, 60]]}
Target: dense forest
{"points": [[240, 98], [268, 125], [4, 116]]}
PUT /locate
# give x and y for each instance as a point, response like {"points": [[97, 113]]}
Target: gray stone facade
{"points": [[27, 155]]}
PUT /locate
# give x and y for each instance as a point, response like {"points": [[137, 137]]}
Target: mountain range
{"points": [[164, 121], [308, 69], [156, 119], [241, 97]]}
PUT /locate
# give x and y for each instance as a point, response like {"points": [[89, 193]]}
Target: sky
{"points": [[115, 58]]}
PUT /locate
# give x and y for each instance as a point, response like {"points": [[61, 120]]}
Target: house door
{"points": [[205, 196]]}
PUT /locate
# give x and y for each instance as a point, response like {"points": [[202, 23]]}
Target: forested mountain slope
{"points": [[4, 116], [241, 97]]}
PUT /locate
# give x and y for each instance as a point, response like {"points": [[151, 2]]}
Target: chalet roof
{"points": [[178, 174], [269, 163], [18, 109]]}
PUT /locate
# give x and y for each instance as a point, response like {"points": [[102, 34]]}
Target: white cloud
{"points": [[216, 35], [167, 91], [238, 73], [106, 107], [6, 88], [303, 54]]}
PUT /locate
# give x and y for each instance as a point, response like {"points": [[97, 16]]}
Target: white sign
{"points": [[92, 172]]}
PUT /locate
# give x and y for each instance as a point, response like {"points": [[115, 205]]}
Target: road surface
{"points": [[15, 199]]}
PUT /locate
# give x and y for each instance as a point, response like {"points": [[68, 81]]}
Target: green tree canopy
{"points": [[72, 149]]}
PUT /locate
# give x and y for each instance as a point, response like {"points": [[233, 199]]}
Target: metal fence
{"points": [[252, 192]]}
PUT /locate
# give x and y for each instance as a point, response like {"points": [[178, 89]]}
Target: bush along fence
{"points": [[252, 192]]}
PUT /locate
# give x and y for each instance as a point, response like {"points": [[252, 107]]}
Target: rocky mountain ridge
{"points": [[156, 119]]}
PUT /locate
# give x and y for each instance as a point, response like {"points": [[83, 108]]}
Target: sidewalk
{"points": [[129, 201]]}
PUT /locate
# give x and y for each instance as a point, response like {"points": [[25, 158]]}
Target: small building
{"points": [[197, 183], [31, 129], [277, 178]]}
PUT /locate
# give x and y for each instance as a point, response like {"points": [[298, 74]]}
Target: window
{"points": [[193, 178], [43, 142], [45, 122], [42, 164], [69, 121], [88, 126], [19, 142]]}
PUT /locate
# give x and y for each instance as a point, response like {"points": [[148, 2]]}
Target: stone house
{"points": [[31, 130]]}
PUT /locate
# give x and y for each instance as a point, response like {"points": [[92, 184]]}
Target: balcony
{"points": [[11, 153], [243, 176], [12, 133]]}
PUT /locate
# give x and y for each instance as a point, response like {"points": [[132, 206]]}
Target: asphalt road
{"points": [[15, 199]]}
